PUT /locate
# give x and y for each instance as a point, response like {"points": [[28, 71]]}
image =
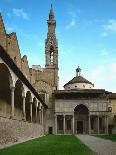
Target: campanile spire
{"points": [[51, 45]]}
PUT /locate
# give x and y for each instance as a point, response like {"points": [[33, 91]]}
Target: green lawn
{"points": [[110, 137], [49, 145]]}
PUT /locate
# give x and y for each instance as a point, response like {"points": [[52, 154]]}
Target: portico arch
{"points": [[81, 115], [18, 99], [34, 110], [28, 101], [5, 92]]}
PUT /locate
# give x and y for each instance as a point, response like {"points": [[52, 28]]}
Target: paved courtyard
{"points": [[102, 146]]}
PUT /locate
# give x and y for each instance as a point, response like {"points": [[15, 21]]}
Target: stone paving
{"points": [[101, 146]]}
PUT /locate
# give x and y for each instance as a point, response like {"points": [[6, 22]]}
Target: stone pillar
{"points": [[41, 115], [106, 124], [12, 101], [24, 114], [73, 125], [31, 111], [64, 123], [89, 124], [97, 124], [56, 125], [36, 113]]}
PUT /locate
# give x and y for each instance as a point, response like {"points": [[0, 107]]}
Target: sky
{"points": [[86, 33]]}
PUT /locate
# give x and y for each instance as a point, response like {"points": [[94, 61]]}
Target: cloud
{"points": [[104, 76], [72, 13], [71, 24], [10, 29], [8, 15], [110, 25], [20, 13], [104, 34]]}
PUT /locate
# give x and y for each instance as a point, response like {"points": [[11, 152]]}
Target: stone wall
{"points": [[64, 105], [49, 121], [13, 130]]}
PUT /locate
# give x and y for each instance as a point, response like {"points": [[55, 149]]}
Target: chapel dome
{"points": [[78, 82]]}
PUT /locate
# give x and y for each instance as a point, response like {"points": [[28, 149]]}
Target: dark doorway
{"points": [[81, 113], [50, 130], [79, 127]]}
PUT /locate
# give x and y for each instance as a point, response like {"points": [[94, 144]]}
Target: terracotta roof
{"points": [[78, 79], [81, 94], [81, 91]]}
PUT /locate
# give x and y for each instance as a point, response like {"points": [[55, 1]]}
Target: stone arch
{"points": [[80, 105], [81, 109], [81, 114], [28, 101], [51, 54], [18, 99], [34, 109], [5, 92]]}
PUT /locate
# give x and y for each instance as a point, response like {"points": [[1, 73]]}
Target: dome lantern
{"points": [[78, 71]]}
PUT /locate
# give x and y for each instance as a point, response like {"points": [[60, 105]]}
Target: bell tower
{"points": [[51, 45]]}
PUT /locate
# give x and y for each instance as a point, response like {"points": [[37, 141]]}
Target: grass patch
{"points": [[49, 145], [111, 137]]}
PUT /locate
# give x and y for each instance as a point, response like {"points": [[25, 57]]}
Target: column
{"points": [[73, 125], [98, 124], [36, 112], [64, 123], [12, 101], [56, 124], [31, 111], [24, 114], [42, 115], [89, 121]]}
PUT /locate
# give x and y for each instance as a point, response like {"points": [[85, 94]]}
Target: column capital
{"points": [[12, 88], [31, 102], [23, 97], [64, 115], [36, 104], [56, 115]]}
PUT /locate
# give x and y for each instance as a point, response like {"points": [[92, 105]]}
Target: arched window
{"points": [[51, 54]]}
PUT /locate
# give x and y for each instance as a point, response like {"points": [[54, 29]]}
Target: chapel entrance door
{"points": [[79, 127], [50, 130]]}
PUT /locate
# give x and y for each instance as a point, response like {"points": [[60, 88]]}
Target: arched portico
{"points": [[75, 122], [28, 101], [81, 116], [5, 92], [18, 99], [34, 110]]}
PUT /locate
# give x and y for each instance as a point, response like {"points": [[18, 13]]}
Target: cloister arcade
{"points": [[17, 101]]}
